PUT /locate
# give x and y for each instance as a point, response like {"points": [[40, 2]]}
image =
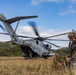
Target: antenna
{"points": [[72, 30]]}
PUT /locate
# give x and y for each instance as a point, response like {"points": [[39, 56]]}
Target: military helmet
{"points": [[72, 34]]}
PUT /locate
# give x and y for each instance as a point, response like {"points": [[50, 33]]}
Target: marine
{"points": [[71, 53]]}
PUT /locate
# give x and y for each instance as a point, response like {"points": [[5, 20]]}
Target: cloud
{"points": [[4, 38], [36, 2], [26, 30], [73, 1], [71, 9], [67, 12]]}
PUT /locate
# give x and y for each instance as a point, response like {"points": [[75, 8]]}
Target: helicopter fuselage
{"points": [[34, 48]]}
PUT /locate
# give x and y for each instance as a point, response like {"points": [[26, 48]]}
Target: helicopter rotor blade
{"points": [[52, 44], [16, 35], [57, 39], [12, 20], [58, 35], [24, 36], [33, 24], [33, 37], [2, 28], [4, 33]]}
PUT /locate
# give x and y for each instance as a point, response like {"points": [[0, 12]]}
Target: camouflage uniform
{"points": [[72, 49]]}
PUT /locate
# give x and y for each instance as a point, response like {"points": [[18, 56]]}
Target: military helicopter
{"points": [[32, 47]]}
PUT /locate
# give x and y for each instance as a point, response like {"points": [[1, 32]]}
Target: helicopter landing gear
{"points": [[30, 54]]}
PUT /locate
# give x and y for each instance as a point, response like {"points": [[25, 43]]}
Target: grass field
{"points": [[19, 66]]}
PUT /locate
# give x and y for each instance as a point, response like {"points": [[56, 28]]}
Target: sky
{"points": [[54, 17]]}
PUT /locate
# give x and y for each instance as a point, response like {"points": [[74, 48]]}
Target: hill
{"points": [[8, 49]]}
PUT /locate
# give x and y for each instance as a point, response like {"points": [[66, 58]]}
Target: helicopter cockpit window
{"points": [[37, 42], [47, 46]]}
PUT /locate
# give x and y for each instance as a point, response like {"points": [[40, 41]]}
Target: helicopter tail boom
{"points": [[9, 28]]}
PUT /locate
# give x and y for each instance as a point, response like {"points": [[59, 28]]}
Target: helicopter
{"points": [[32, 47]]}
